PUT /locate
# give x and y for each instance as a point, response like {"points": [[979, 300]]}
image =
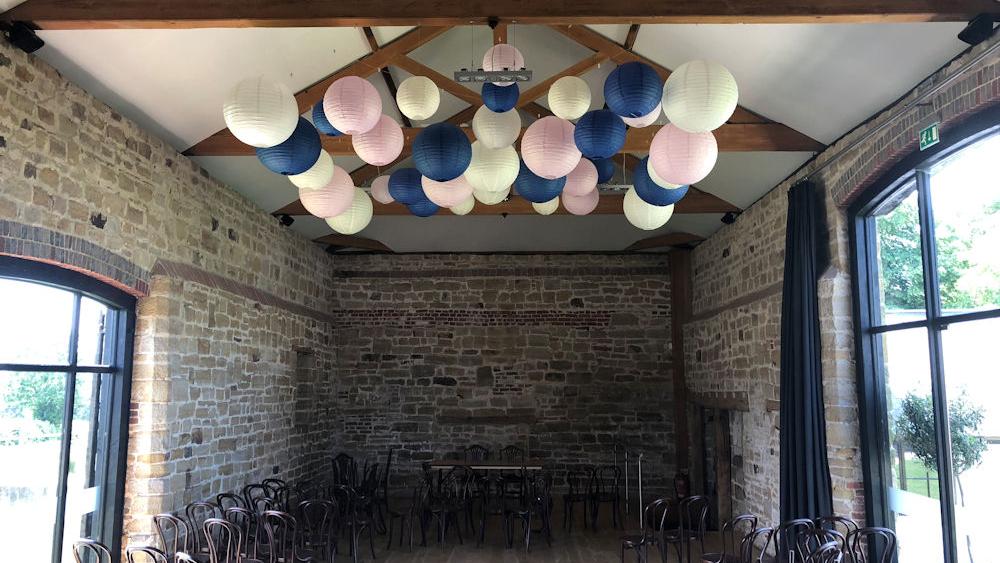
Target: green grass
{"points": [[916, 473]]}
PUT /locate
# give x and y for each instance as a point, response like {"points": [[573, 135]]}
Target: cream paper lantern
{"points": [[700, 96], [644, 120], [569, 97], [260, 112], [496, 130], [492, 170], [357, 216], [446, 194], [657, 180], [643, 215], [465, 207], [548, 207], [491, 198], [380, 189], [316, 177], [418, 98], [331, 199]]}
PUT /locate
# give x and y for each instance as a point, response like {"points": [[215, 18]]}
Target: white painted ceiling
{"points": [[821, 79]]}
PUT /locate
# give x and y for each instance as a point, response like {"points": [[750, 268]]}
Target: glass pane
{"points": [[972, 379], [913, 490], [31, 414], [87, 448], [91, 344], [965, 195], [900, 262], [36, 323]]}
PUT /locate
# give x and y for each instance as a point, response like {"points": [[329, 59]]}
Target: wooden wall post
{"points": [[680, 313]]}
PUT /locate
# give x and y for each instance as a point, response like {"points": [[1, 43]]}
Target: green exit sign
{"points": [[929, 136]]}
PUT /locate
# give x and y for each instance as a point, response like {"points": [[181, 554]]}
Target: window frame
{"points": [[119, 370], [876, 465]]}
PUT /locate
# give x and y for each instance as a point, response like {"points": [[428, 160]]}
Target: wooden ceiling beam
{"points": [[683, 240], [350, 241], [390, 84], [542, 88], [500, 33], [443, 82], [178, 14], [631, 36]]}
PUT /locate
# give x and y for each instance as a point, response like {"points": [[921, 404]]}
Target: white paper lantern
{"points": [[547, 208], [380, 190], [492, 170], [569, 97], [418, 98], [260, 112], [316, 177], [657, 180], [491, 198], [645, 120], [381, 144], [503, 56], [446, 194], [465, 207], [496, 130], [357, 216], [643, 215], [700, 96]]}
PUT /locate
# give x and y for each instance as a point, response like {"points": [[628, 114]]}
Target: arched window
{"points": [[65, 372], [926, 252]]}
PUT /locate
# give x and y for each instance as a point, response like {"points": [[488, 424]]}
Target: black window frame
{"points": [[123, 306], [876, 466]]}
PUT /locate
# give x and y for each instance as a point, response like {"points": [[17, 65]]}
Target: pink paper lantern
{"points": [[381, 144], [380, 190], [680, 157], [447, 194], [644, 120], [581, 204], [332, 199], [503, 56], [548, 148], [582, 180], [352, 105]]}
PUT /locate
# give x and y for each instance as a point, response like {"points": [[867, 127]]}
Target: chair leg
{"points": [[527, 532], [457, 517], [388, 543], [371, 539]]}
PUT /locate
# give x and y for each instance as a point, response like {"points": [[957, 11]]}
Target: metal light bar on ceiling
{"points": [[480, 75]]}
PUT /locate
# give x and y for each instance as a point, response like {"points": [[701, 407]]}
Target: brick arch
{"points": [[74, 253]]}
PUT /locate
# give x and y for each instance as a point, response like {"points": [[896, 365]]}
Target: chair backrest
{"points": [[262, 504], [733, 532], [842, 524], [476, 452], [786, 539], [253, 492], [654, 516], [579, 480], [512, 453], [229, 500], [274, 483], [174, 533], [872, 545], [384, 480], [758, 546], [316, 518], [693, 515], [225, 541], [246, 521], [145, 554], [607, 479], [829, 552], [282, 529], [344, 470], [809, 541], [84, 548], [197, 513]]}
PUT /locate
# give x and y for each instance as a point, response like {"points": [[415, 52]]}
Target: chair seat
{"points": [[637, 539]]}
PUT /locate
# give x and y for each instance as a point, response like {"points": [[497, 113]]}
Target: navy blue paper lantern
{"points": [[424, 208], [605, 169], [323, 124], [633, 89], [405, 187], [500, 98], [648, 191], [296, 154], [536, 189], [442, 152], [599, 134]]}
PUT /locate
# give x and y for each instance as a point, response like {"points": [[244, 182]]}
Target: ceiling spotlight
{"points": [[729, 218], [332, 248], [980, 29], [286, 220], [22, 36]]}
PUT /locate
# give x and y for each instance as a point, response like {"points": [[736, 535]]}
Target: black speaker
{"points": [[23, 37], [979, 29]]}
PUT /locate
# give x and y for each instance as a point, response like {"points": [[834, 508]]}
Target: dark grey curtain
{"points": [[805, 471]]}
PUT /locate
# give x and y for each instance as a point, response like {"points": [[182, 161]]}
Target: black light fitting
{"points": [[979, 29], [22, 36], [286, 220], [729, 218]]}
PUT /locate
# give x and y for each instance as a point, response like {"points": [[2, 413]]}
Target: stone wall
{"points": [[732, 344], [560, 355]]}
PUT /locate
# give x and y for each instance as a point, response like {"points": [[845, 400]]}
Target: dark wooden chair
{"points": [[254, 492], [809, 541], [494, 504], [174, 534], [318, 527], [447, 506], [579, 483], [283, 542], [197, 513], [654, 520], [841, 524], [786, 539], [345, 470], [476, 452], [382, 493], [407, 514], [606, 489], [145, 554], [758, 547], [733, 532], [229, 500], [535, 505], [224, 540], [250, 531], [872, 545], [91, 551], [829, 552]]}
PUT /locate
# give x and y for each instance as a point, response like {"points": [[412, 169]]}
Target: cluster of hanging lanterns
{"points": [[561, 162]]}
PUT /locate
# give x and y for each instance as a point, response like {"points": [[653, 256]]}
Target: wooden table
{"points": [[488, 465]]}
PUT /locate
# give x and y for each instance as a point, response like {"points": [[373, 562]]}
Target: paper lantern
{"points": [[500, 98], [569, 97], [418, 98], [605, 169], [380, 190], [536, 189], [357, 216], [321, 123], [465, 207], [491, 198], [700, 96], [381, 144], [656, 179], [680, 157], [581, 204], [352, 105], [333, 198], [496, 130], [423, 208], [294, 155], [260, 112], [548, 147], [645, 120], [503, 57], [633, 89], [599, 134], [442, 152], [447, 194], [651, 193], [546, 208], [582, 180], [405, 187], [492, 170], [643, 215], [318, 175]]}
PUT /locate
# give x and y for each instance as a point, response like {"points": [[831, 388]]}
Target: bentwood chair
{"points": [[493, 504], [282, 540], [224, 541], [229, 500], [534, 505], [786, 539], [872, 545], [655, 516], [733, 532], [250, 531], [173, 533], [253, 492], [476, 452], [145, 554], [606, 489], [758, 547], [197, 513], [345, 470], [84, 549], [810, 541], [692, 513], [829, 552], [407, 514], [841, 524], [579, 483], [318, 527]]}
